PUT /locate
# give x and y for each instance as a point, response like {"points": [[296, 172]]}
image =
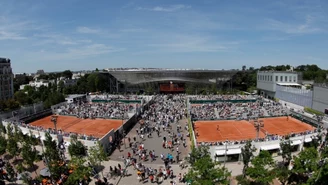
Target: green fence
{"points": [[122, 101], [215, 101]]}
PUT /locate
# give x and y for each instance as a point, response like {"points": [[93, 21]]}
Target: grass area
{"points": [[312, 111], [191, 133]]}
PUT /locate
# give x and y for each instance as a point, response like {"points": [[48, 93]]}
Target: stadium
{"points": [[166, 80], [226, 122], [99, 118], [223, 122]]}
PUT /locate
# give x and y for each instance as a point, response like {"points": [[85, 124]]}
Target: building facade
{"points": [[6, 79], [320, 98], [268, 80]]}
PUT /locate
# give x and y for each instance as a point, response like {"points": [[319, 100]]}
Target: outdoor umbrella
{"points": [[23, 174], [45, 172]]}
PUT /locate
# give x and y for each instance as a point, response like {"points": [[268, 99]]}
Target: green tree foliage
{"points": [[282, 173], [51, 150], [52, 157], [67, 74], [29, 154], [96, 82], [286, 150], [305, 164], [10, 172], [22, 98], [3, 145], [261, 171], [247, 153], [76, 148], [204, 171], [12, 147], [197, 153], [97, 154], [61, 86], [80, 171]]}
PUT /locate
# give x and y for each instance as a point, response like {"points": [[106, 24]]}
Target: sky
{"points": [[210, 34]]}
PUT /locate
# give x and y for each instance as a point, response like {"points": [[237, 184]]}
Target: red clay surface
{"points": [[243, 130], [94, 127], [281, 126], [228, 130]]}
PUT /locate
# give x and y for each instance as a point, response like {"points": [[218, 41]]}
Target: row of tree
{"points": [[309, 167], [21, 149]]}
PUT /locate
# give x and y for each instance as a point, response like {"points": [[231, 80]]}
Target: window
{"points": [[286, 79], [294, 78], [265, 78], [276, 78], [271, 78], [290, 78], [281, 78], [258, 77]]}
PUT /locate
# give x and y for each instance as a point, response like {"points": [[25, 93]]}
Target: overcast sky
{"points": [[212, 34]]}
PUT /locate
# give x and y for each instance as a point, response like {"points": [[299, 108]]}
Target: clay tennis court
{"points": [[281, 126], [212, 131], [94, 127]]}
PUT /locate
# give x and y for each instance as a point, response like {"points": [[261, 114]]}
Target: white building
{"points": [[267, 81], [77, 75], [37, 84]]}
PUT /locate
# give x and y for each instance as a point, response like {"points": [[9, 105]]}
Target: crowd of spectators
{"points": [[238, 111], [108, 110], [223, 97], [116, 97]]}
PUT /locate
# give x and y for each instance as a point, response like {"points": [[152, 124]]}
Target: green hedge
{"points": [[312, 111], [190, 133]]}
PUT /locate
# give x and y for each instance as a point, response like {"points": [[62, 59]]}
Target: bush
{"points": [[243, 180], [190, 133], [312, 111]]}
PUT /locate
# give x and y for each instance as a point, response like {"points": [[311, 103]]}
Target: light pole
{"points": [[54, 120], [225, 154], [123, 132], [258, 124]]}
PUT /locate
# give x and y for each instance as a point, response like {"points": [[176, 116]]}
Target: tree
{"points": [[21, 97], [61, 86], [204, 171], [282, 173], [97, 154], [80, 171], [10, 172], [197, 153], [247, 153], [51, 149], [29, 154], [286, 150], [304, 165], [3, 145], [12, 146], [67, 74], [76, 148], [52, 157], [3, 130], [12, 104], [261, 171]]}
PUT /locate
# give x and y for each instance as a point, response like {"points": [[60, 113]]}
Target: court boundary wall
{"points": [[23, 111]]}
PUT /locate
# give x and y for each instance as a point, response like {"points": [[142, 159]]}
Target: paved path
{"points": [[155, 143]]}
